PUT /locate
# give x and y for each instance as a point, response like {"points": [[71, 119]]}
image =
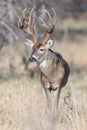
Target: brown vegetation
{"points": [[23, 106]]}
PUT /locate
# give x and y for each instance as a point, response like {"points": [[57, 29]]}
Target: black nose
{"points": [[32, 59]]}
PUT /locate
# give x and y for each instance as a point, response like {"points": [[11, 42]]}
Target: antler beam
{"points": [[48, 28], [27, 25]]}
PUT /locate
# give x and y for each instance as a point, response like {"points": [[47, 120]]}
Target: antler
{"points": [[48, 28], [27, 25]]}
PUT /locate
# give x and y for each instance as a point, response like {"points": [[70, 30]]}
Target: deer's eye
{"points": [[42, 50]]}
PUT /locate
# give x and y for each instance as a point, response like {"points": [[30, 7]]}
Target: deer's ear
{"points": [[49, 43], [29, 43]]}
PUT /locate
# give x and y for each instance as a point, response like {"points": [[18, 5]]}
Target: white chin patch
{"points": [[43, 64]]}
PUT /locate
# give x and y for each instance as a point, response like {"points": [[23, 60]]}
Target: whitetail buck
{"points": [[53, 68]]}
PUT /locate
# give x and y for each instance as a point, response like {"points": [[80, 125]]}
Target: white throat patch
{"points": [[43, 64]]}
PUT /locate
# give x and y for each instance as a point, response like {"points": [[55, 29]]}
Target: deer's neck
{"points": [[47, 60], [52, 67]]}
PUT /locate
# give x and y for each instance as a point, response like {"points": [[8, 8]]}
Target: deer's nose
{"points": [[32, 59]]}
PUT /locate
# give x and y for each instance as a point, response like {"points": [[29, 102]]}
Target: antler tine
{"points": [[43, 22], [48, 15], [55, 16], [30, 14], [27, 25], [21, 18], [48, 27]]}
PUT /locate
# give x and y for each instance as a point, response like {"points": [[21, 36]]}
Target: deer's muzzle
{"points": [[32, 59]]}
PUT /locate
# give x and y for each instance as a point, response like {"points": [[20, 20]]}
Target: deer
{"points": [[54, 70]]}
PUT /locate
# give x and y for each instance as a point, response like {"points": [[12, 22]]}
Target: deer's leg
{"points": [[48, 95], [46, 90], [55, 94], [52, 96]]}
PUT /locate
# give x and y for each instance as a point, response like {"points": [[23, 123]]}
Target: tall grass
{"points": [[23, 106]]}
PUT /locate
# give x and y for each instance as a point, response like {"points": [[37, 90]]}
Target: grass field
{"points": [[23, 105]]}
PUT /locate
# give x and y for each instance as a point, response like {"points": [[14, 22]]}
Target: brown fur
{"points": [[53, 77], [56, 72]]}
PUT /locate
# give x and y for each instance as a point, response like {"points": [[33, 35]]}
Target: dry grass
{"points": [[70, 22], [23, 106]]}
